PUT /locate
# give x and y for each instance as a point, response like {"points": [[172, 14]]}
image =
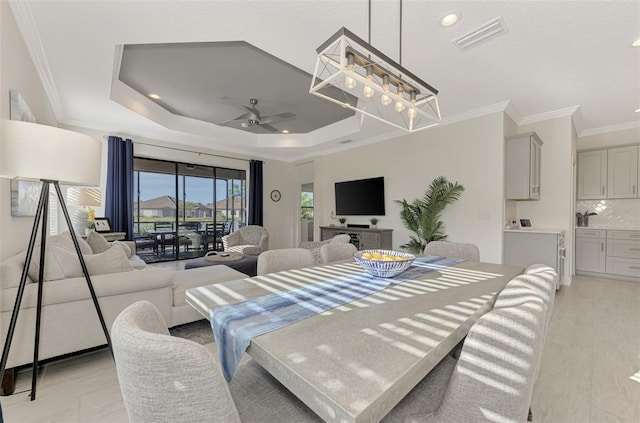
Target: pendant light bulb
{"points": [[385, 100], [412, 113], [399, 105], [349, 82], [368, 91]]}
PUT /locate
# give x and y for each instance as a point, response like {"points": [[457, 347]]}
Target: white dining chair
{"points": [[168, 379], [453, 250], [330, 253], [284, 259], [493, 379]]}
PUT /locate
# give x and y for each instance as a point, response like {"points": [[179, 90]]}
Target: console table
{"points": [[362, 238]]}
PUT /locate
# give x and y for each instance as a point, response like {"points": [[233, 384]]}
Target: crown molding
{"points": [[472, 114], [611, 128], [553, 114], [26, 22]]}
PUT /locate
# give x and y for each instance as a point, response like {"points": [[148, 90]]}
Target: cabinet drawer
{"points": [[623, 266], [369, 241], [623, 248], [591, 233], [623, 235]]}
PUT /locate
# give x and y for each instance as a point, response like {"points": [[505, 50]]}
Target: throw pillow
{"points": [[113, 260], [97, 242], [125, 247], [64, 240], [52, 268]]}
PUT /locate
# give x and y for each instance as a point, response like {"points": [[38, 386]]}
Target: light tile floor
{"points": [[591, 355]]}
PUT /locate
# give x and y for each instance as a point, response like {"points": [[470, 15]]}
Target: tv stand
{"points": [[362, 238]]}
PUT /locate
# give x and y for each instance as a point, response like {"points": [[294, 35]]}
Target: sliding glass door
{"points": [[183, 210]]}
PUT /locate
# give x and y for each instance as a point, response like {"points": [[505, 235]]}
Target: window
{"points": [[187, 201]]}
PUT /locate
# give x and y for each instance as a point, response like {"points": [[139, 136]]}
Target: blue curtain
{"points": [[119, 197], [255, 192]]}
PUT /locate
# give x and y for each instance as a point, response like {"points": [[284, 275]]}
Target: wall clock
{"points": [[275, 195]]}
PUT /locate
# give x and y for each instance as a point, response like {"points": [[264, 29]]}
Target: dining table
{"points": [[355, 362]]}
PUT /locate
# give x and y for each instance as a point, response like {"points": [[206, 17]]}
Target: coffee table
{"points": [[245, 264]]}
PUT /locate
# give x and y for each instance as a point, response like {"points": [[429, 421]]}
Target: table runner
{"points": [[235, 325]]}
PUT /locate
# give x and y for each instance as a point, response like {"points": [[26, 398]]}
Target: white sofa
{"points": [[69, 319]]}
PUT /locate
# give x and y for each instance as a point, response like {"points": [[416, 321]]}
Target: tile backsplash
{"points": [[614, 214]]}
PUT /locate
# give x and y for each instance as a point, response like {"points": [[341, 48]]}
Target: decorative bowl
{"points": [[383, 268]]}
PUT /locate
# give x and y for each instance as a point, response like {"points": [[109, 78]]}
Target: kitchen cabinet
{"points": [[522, 167], [623, 253], [622, 173], [524, 248], [592, 175], [591, 250]]}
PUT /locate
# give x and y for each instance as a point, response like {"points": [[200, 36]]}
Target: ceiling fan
{"points": [[252, 119]]}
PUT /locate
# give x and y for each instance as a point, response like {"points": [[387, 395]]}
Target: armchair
{"points": [[249, 240], [314, 246]]}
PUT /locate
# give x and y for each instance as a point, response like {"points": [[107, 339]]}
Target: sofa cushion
{"points": [[53, 271], [114, 260], [125, 247], [64, 240], [97, 242], [11, 271]]}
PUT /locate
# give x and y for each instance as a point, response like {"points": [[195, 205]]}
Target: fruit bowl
{"points": [[384, 263]]}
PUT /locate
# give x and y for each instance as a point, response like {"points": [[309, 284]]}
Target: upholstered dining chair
{"points": [[169, 379], [493, 379], [453, 250], [314, 246], [336, 252], [249, 240], [284, 259]]}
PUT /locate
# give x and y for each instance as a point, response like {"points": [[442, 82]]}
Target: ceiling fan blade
{"points": [[268, 127], [241, 117], [276, 118]]}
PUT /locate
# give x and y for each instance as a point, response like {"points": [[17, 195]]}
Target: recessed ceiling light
{"points": [[154, 96], [636, 43], [285, 131], [450, 18]]}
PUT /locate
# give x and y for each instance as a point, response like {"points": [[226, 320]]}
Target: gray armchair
{"points": [[249, 240], [330, 253]]}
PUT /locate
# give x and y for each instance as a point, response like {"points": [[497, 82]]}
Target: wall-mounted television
{"points": [[364, 197]]}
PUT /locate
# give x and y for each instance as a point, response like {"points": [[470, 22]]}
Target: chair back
{"points": [[453, 250], [164, 378], [342, 238], [162, 225], [493, 379], [284, 259], [336, 251]]}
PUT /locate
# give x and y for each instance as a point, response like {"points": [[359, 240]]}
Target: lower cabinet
{"points": [[591, 254], [614, 253]]}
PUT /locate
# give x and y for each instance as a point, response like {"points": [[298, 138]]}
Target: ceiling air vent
{"points": [[487, 31]]}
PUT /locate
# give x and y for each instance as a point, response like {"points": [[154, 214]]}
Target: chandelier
{"points": [[352, 73]]}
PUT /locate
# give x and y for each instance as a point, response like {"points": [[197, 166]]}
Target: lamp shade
{"points": [[88, 197], [33, 152]]}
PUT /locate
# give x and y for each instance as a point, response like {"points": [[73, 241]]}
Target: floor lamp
{"points": [[53, 156]]}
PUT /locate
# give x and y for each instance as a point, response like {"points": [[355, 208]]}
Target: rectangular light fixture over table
{"points": [[352, 73]]}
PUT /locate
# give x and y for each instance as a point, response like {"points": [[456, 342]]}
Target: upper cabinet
{"points": [[611, 173], [622, 181], [592, 175], [522, 167]]}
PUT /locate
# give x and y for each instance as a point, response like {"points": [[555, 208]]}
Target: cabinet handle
{"points": [[634, 267], [602, 190], [602, 246], [634, 249], [634, 235], [634, 189]]}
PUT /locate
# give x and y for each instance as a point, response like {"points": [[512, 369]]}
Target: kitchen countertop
{"points": [[537, 231], [608, 228]]}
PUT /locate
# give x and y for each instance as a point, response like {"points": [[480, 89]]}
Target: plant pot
{"points": [[583, 221]]}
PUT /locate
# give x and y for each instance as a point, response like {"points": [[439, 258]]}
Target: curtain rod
{"points": [[184, 150]]}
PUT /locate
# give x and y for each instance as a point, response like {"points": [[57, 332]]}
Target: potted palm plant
{"points": [[422, 216]]}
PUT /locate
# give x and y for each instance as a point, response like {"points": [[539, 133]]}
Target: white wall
{"points": [[17, 72], [469, 152], [554, 209]]}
